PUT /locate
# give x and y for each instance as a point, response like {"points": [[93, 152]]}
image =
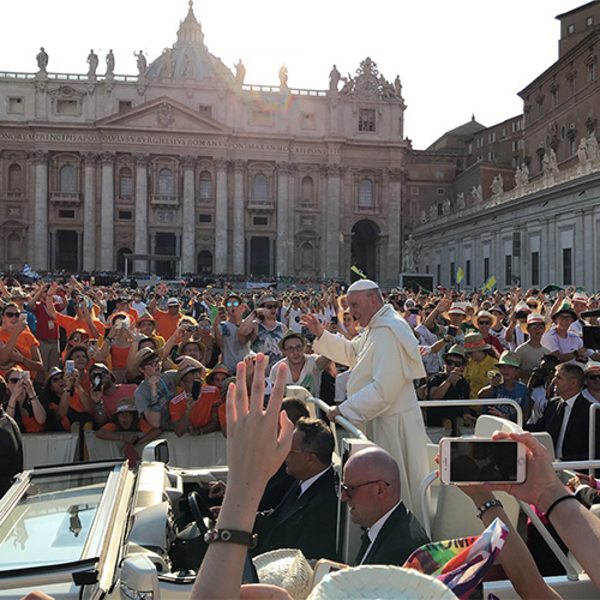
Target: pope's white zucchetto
{"points": [[362, 286]]}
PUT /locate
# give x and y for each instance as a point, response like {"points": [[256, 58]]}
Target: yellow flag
{"points": [[356, 270], [460, 275]]}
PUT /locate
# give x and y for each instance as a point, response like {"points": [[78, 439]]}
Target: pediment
{"points": [[163, 114]]}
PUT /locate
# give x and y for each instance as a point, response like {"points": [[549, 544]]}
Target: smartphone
{"points": [[452, 331], [196, 387], [93, 345], [591, 337], [334, 320], [25, 375], [481, 460], [69, 366]]}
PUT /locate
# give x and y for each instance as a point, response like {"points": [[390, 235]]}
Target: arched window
{"points": [[166, 182], [15, 178], [121, 259], [205, 262], [125, 182], [68, 180], [205, 186], [308, 190], [365, 193], [260, 188]]}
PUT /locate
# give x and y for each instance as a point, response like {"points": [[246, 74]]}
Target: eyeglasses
{"points": [[483, 322], [293, 348], [203, 326], [56, 379], [270, 306], [14, 380], [454, 363], [594, 377], [233, 303], [153, 363], [12, 315], [350, 490]]}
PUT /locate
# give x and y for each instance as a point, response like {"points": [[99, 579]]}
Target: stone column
{"points": [[80, 242], [141, 211], [221, 243], [283, 236], [332, 222], [188, 238], [153, 251], [107, 212], [89, 211], [394, 226], [40, 223], [239, 214]]}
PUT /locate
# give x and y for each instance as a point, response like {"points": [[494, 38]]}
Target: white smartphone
{"points": [[472, 461], [69, 366]]}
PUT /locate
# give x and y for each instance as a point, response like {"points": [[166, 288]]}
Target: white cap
{"points": [[362, 286]]}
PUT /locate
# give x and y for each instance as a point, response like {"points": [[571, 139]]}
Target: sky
{"points": [[455, 59]]}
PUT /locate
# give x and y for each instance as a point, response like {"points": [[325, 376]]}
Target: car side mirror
{"points": [[139, 578], [156, 451]]}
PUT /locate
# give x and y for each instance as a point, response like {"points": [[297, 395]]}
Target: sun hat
{"points": [[125, 405], [486, 315], [591, 366], [181, 374], [172, 301], [286, 568], [565, 309], [290, 334], [146, 316], [455, 309], [508, 358], [143, 356], [457, 350], [537, 319], [474, 341], [219, 368], [382, 582]]}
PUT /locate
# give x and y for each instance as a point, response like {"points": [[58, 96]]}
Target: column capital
{"points": [[107, 158], [334, 170], [221, 163], [38, 157], [395, 174], [283, 168], [141, 160], [239, 166], [188, 162], [90, 159]]}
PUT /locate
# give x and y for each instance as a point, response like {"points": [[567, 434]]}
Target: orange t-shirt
{"points": [[142, 425], [166, 323], [70, 324], [25, 342], [202, 412], [118, 357]]}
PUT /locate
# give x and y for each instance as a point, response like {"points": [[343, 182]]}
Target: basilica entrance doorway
{"points": [[365, 236], [260, 256], [166, 243], [66, 251]]}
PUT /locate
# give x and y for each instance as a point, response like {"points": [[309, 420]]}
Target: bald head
{"points": [[372, 481]]}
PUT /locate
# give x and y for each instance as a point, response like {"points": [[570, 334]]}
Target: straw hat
{"points": [[486, 315], [457, 350], [508, 358], [565, 309], [474, 341], [286, 568], [455, 309], [381, 582], [536, 319], [143, 356]]}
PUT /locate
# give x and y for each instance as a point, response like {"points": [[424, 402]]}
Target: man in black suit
{"points": [[371, 488], [306, 518], [566, 417]]}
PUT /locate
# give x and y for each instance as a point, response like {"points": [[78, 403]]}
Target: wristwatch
{"points": [[231, 536]]}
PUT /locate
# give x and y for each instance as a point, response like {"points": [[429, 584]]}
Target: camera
{"points": [[97, 382]]}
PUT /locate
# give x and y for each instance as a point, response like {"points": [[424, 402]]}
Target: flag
{"points": [[356, 270], [489, 284], [29, 272], [460, 275]]}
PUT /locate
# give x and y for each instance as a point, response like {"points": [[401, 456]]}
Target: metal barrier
{"points": [[41, 449], [594, 408], [482, 402]]}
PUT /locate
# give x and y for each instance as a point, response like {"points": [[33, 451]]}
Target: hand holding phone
{"points": [[469, 461]]}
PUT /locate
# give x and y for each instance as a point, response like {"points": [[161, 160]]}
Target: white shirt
{"points": [[563, 428], [589, 396], [304, 485], [374, 530]]}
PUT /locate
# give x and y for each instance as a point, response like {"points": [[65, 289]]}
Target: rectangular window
{"points": [[205, 218], [66, 214], [535, 268], [260, 221], [125, 215], [125, 105], [468, 272], [67, 107], [438, 273], [205, 111], [440, 191], [589, 22], [452, 274], [16, 106], [486, 268], [571, 29], [567, 266], [366, 119], [508, 270]]}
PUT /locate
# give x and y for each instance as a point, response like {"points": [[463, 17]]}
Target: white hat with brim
{"points": [[362, 285], [286, 568], [382, 582]]}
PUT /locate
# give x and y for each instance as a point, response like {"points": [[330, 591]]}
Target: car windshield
{"points": [[52, 521]]}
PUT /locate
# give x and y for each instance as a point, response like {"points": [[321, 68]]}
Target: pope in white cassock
{"points": [[384, 359]]}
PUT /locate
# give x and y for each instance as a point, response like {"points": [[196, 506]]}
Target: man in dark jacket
{"points": [[371, 487], [11, 446], [306, 518]]}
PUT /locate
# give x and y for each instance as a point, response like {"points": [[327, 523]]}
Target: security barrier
{"points": [[49, 449]]}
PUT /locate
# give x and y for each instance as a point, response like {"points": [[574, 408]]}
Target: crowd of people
{"points": [[133, 363]]}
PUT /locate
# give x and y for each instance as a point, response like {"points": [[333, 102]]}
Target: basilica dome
{"points": [[189, 58]]}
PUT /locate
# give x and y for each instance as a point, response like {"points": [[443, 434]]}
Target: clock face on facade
{"points": [[367, 84]]}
